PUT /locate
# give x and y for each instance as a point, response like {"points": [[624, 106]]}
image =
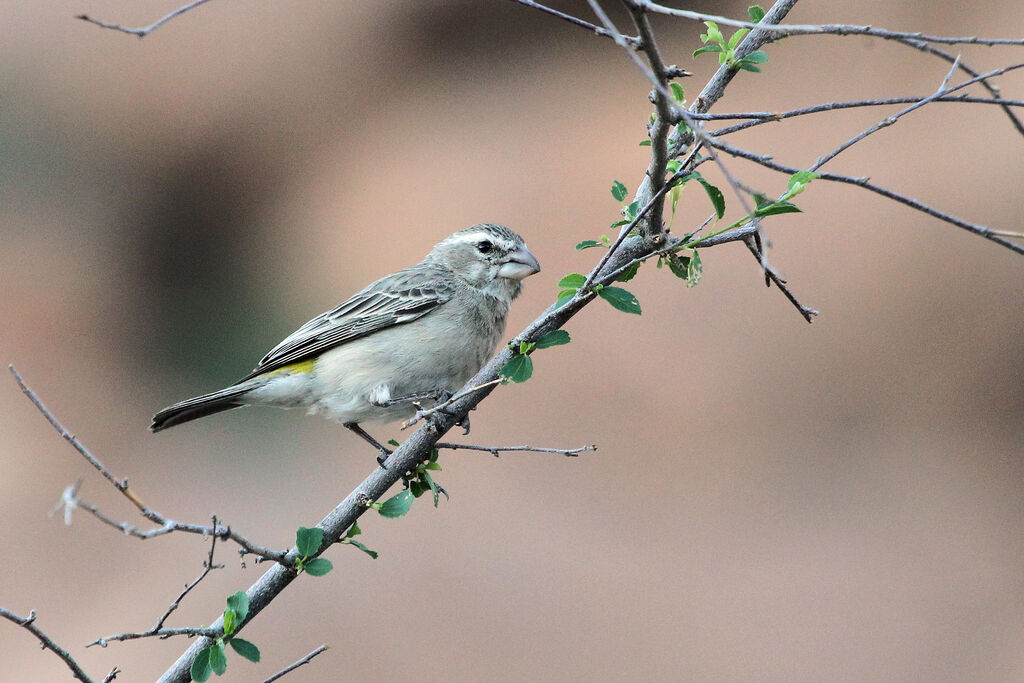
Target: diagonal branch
{"points": [[576, 21], [783, 30], [28, 623], [767, 162], [166, 525], [144, 31]]}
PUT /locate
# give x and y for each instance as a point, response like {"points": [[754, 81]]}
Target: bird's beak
{"points": [[520, 264]]}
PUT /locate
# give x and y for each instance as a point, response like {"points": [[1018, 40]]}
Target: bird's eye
{"points": [[484, 246]]}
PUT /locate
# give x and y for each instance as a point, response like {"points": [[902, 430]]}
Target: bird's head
{"points": [[488, 257]]}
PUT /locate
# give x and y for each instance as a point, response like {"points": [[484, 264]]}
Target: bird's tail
{"points": [[200, 406]]}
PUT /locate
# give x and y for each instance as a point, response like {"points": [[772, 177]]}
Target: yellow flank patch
{"points": [[303, 366]]}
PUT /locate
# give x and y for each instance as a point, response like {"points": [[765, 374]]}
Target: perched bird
{"points": [[416, 334]]}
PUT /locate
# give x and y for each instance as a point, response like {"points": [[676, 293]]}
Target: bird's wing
{"points": [[393, 300]]}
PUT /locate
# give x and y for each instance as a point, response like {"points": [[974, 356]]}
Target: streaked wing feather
{"points": [[393, 300]]}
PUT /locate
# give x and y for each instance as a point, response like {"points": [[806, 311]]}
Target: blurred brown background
{"points": [[771, 500]]}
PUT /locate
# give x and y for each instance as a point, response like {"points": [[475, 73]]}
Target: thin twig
{"points": [[783, 30], [208, 566], [420, 414], [162, 634], [991, 88], [47, 643], [889, 120], [165, 524], [494, 450], [291, 667], [757, 118], [573, 20], [974, 228], [143, 31]]}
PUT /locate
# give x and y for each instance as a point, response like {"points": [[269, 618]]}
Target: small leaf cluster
{"points": [[307, 542], [213, 657], [715, 42], [520, 367], [684, 266], [618, 297], [420, 482], [353, 531], [629, 212]]}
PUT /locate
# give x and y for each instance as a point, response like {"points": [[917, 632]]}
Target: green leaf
{"points": [[714, 35], [798, 182], [245, 648], [678, 265], [564, 298], [756, 57], [746, 66], [371, 553], [308, 540], [631, 211], [230, 621], [392, 442], [218, 660], [587, 244], [707, 48], [201, 666], [318, 566], [433, 486], [776, 208], [629, 273], [353, 530], [673, 165], [434, 454], [418, 488], [694, 270], [620, 299], [519, 369], [619, 191], [735, 39], [553, 338], [755, 13], [677, 92], [433, 466], [398, 504], [239, 602], [572, 281], [677, 189], [714, 194]]}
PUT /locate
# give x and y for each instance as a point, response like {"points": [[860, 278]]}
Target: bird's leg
{"points": [[438, 396], [365, 436]]}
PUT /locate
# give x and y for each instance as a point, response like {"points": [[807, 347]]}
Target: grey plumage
{"points": [[427, 328]]}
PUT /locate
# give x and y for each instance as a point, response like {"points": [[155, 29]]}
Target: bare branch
{"points": [[296, 665], [208, 566], [573, 20], [783, 30], [494, 450], [162, 633], [955, 59], [146, 30], [888, 121], [981, 230], [166, 525], [28, 623]]}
